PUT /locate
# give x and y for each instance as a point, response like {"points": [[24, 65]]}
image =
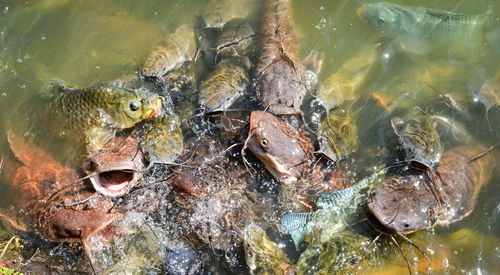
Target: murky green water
{"points": [[89, 42]]}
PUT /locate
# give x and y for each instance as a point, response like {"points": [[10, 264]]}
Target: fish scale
{"points": [[334, 209], [422, 31]]}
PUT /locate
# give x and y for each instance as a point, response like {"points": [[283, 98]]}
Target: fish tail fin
{"points": [[297, 225]]}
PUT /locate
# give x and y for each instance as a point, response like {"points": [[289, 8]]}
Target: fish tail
{"points": [[297, 225]]}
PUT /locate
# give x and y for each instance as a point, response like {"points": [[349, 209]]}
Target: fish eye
{"points": [[134, 106], [406, 225], [264, 142]]}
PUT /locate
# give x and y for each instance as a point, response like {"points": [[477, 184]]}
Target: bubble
{"points": [[43, 37]]}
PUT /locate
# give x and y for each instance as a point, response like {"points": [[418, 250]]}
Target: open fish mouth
{"points": [[114, 181]]}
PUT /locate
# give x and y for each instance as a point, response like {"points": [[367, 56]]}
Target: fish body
{"points": [[224, 85], [335, 211], [220, 22], [162, 139], [342, 85], [489, 93], [404, 204], [280, 76], [97, 112], [340, 131], [236, 39], [441, 79], [423, 31], [420, 139], [49, 190], [176, 48], [343, 253]]}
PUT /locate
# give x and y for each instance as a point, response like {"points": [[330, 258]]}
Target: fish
{"points": [[236, 39], [336, 210], [62, 205], [340, 132], [224, 86], [424, 31], [117, 167], [281, 82], [420, 139], [403, 204], [161, 139], [342, 85], [97, 112], [230, 77], [285, 152], [176, 49]]}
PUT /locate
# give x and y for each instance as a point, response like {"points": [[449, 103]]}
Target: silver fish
{"points": [[422, 31], [335, 210]]}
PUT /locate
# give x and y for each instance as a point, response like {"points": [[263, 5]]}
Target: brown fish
{"points": [[280, 76], [115, 168], [404, 204], [285, 152], [63, 207]]}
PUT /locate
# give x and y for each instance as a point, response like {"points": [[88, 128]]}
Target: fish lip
{"points": [[377, 223], [277, 169], [104, 179]]}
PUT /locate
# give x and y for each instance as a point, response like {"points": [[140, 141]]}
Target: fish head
{"points": [[420, 140], [116, 167], [283, 150], [128, 107], [76, 225], [402, 204], [385, 17]]}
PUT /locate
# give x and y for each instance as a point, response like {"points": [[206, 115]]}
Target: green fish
{"points": [[339, 132], [176, 48], [97, 112], [336, 210], [236, 39], [423, 31], [224, 86], [162, 139], [419, 138]]}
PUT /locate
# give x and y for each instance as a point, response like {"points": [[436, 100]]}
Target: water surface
{"points": [[86, 42]]}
